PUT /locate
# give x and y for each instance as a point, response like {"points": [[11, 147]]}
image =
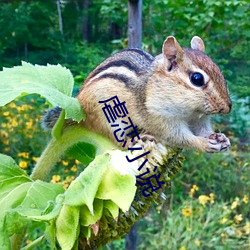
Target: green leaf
{"points": [[83, 152], [86, 218], [67, 226], [118, 188], [83, 189], [9, 168], [39, 194], [6, 186], [53, 82], [112, 208]]}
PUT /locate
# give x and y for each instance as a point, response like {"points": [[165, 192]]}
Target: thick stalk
{"points": [[57, 147]]}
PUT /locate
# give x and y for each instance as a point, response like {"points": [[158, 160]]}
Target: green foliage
{"points": [[52, 82], [197, 224]]}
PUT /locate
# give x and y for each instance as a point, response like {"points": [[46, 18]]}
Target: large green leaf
{"points": [[21, 199], [118, 188], [67, 226], [83, 189], [53, 82]]}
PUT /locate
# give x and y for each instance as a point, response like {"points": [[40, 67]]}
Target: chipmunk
{"points": [[169, 97]]}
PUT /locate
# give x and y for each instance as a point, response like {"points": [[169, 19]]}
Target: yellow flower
{"points": [[211, 195], [6, 113], [29, 124], [223, 235], [234, 152], [225, 164], [70, 178], [203, 199], [55, 178], [24, 154], [77, 162], [245, 199], [4, 134], [197, 242], [35, 159], [235, 203], [238, 218], [14, 123], [182, 248], [12, 105], [73, 168], [238, 233], [65, 163], [65, 185], [247, 227], [23, 164], [193, 190], [187, 211], [223, 220]]}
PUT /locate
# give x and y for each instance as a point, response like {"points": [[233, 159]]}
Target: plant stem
{"points": [[57, 147]]}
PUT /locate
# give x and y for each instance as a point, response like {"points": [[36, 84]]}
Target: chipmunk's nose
{"points": [[227, 108]]}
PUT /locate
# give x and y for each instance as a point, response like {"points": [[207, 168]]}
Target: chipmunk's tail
{"points": [[50, 117]]}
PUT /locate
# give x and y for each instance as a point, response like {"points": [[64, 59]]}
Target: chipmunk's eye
{"points": [[197, 79]]}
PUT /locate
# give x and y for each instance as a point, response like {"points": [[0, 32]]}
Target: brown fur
{"points": [[158, 93]]}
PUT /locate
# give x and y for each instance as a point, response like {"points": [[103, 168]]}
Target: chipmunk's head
{"points": [[195, 78]]}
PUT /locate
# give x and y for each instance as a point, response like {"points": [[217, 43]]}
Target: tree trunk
{"points": [[85, 20], [59, 16], [135, 23], [131, 238]]}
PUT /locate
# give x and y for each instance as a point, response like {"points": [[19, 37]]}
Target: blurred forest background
{"points": [[208, 204]]}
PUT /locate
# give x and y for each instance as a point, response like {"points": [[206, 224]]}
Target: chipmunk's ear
{"points": [[171, 49], [197, 43]]}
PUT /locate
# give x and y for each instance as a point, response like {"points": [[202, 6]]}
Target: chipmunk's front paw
{"points": [[143, 138], [217, 142]]}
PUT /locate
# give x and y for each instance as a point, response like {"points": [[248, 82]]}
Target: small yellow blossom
{"points": [[55, 178], [235, 203], [197, 242], [238, 218], [29, 124], [65, 163], [187, 211], [6, 113], [223, 220], [193, 190], [77, 162], [234, 152], [70, 178], [224, 164], [23, 164], [12, 105], [223, 235], [247, 227], [14, 123], [24, 154], [65, 185], [73, 168], [245, 199], [238, 233], [203, 199], [4, 134], [35, 159], [183, 248], [211, 195]]}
